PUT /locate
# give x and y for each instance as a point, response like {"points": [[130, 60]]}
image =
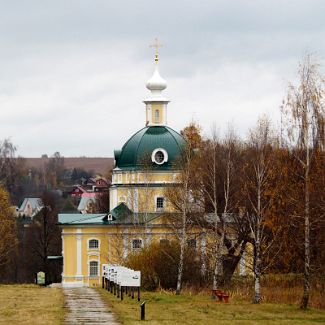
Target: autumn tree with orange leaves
{"points": [[8, 239]]}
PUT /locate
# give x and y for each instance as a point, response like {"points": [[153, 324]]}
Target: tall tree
{"points": [[8, 239], [12, 170], [46, 239], [54, 170], [186, 201], [305, 113], [260, 174], [221, 161], [192, 135]]}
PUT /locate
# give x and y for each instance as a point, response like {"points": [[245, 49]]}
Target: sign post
{"points": [[143, 310], [40, 278]]}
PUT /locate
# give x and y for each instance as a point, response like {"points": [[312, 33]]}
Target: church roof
{"points": [[137, 151], [79, 219], [121, 215]]}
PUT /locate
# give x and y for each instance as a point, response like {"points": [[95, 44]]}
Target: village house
{"points": [[30, 207]]}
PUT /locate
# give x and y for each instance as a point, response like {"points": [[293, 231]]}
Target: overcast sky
{"points": [[73, 72]]}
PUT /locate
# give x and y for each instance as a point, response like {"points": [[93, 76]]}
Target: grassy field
{"points": [[165, 308], [31, 304], [279, 289]]}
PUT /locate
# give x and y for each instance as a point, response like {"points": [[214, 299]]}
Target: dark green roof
{"points": [[138, 149], [121, 211], [121, 215]]}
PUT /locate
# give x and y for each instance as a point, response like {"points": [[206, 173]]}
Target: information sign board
{"points": [[130, 278]]}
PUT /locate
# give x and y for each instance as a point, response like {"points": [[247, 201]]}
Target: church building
{"points": [[144, 167]]}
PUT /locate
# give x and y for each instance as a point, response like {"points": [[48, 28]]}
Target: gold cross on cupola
{"points": [[156, 45]]}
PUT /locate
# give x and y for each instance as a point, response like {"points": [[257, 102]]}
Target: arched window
{"points": [[136, 244], [93, 268], [157, 116], [93, 243]]}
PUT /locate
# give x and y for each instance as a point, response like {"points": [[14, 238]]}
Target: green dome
{"points": [[138, 150]]}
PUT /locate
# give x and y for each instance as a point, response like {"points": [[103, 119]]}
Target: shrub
{"points": [[158, 264]]}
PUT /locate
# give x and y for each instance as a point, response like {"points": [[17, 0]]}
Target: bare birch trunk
{"points": [[258, 235], [215, 205], [203, 254], [305, 297], [218, 270], [257, 269], [181, 257]]}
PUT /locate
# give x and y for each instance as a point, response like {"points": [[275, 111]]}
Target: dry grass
{"points": [[167, 309], [276, 289], [282, 289], [31, 304]]}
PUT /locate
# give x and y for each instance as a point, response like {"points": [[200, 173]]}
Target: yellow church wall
{"points": [[115, 242], [142, 199], [146, 177], [69, 249]]}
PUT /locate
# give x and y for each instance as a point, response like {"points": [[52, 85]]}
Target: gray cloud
{"points": [[72, 73]]}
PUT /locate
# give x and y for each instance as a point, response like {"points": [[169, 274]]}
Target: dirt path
{"points": [[86, 306]]}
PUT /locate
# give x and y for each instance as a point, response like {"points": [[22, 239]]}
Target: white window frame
{"points": [[89, 268], [154, 154], [138, 248], [156, 203], [88, 244]]}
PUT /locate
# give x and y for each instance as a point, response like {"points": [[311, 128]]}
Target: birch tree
{"points": [[211, 184], [259, 177], [221, 161], [218, 178], [186, 202], [305, 112]]}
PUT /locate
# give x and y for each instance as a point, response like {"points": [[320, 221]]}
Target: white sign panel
{"points": [[121, 275], [130, 279]]}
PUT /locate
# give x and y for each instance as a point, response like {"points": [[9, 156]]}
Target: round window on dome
{"points": [[159, 156]]}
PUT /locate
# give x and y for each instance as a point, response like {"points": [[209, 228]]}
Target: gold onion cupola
{"points": [[156, 103]]}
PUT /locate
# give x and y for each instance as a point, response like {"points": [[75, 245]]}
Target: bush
{"points": [[158, 264]]}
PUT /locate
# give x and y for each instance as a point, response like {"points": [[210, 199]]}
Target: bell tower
{"points": [[156, 103]]}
